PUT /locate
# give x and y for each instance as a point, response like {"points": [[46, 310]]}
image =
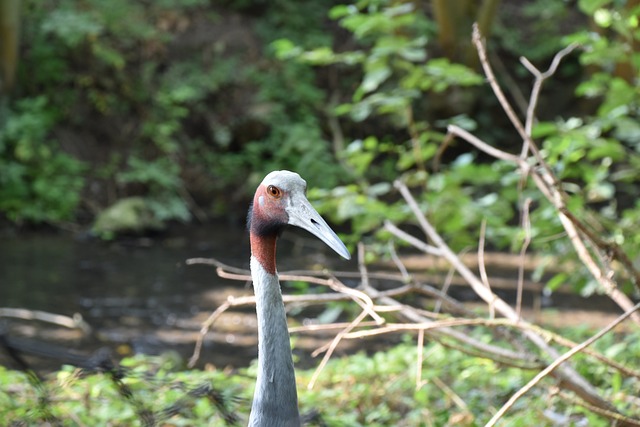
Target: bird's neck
{"points": [[275, 401], [263, 248]]}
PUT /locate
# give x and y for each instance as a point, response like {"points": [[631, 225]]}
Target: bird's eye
{"points": [[274, 191]]}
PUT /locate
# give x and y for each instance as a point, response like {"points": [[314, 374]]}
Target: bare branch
{"points": [[526, 226], [572, 378], [537, 87], [556, 363], [331, 347]]}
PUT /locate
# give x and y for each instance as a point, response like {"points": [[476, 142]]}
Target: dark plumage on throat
{"points": [[260, 226]]}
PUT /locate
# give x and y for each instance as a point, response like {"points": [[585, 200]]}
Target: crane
{"points": [[279, 201]]}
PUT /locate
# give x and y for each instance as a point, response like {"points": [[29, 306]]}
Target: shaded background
{"points": [[132, 135]]}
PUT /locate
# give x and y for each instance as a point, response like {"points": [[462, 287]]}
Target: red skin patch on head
{"points": [[267, 220]]}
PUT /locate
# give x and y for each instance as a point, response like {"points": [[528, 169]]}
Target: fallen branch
{"points": [[74, 322]]}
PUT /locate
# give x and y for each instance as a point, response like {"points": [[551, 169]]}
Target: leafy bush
{"points": [[595, 154], [157, 89], [38, 182]]}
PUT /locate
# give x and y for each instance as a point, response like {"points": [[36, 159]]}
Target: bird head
{"points": [[280, 200]]}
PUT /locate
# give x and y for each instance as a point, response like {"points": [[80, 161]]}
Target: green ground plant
{"points": [[365, 389]]}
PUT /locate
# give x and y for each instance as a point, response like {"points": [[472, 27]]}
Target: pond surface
{"points": [[136, 294]]}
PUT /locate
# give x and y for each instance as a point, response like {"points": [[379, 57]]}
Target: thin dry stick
{"points": [[460, 403], [74, 322], [608, 414], [419, 359], [526, 226], [537, 87], [428, 249], [482, 267], [566, 356], [413, 327], [321, 327], [331, 347], [398, 262], [445, 288], [480, 144], [478, 41]]}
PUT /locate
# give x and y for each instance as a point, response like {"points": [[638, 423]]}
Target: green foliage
{"points": [[595, 155], [397, 75], [172, 104], [176, 119], [376, 389], [38, 183], [394, 62], [156, 389], [161, 178], [537, 31]]}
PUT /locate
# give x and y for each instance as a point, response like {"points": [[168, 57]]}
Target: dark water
{"points": [[137, 294], [126, 290]]}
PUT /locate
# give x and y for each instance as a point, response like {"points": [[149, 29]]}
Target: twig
{"points": [[616, 417], [537, 87], [526, 226], [331, 347], [556, 363], [478, 41], [482, 267], [326, 326], [445, 288], [419, 358], [428, 249], [460, 403], [480, 144], [398, 262], [74, 322]]}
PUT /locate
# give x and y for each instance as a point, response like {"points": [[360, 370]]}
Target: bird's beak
{"points": [[303, 215]]}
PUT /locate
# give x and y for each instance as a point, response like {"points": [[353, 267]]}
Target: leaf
{"points": [[544, 129], [590, 6], [556, 281], [341, 11], [285, 49], [375, 77], [72, 26]]}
